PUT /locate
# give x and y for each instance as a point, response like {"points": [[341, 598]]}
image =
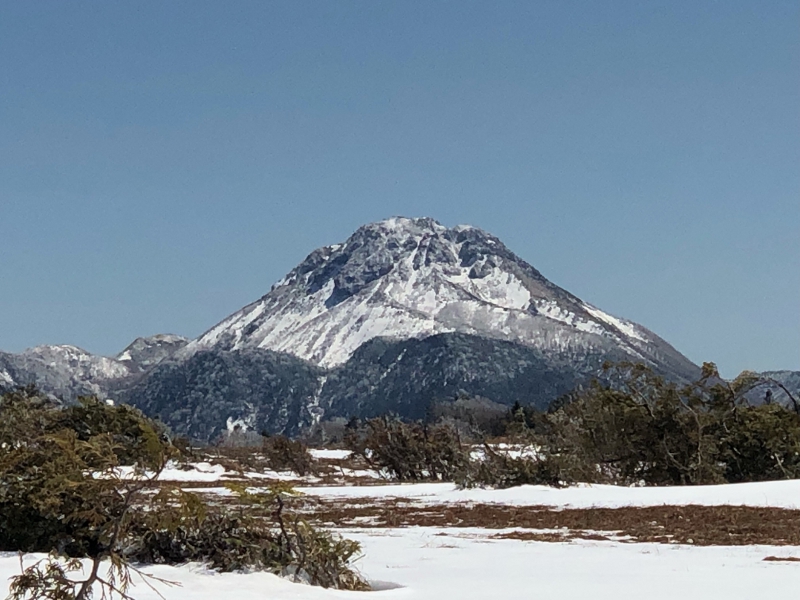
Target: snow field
{"points": [[427, 563], [466, 564], [779, 494]]}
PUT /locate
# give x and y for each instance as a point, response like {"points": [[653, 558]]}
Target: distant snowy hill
{"points": [[64, 371], [68, 371]]}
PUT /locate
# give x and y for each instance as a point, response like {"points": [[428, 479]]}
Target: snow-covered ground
{"points": [[422, 563], [780, 494], [329, 454], [204, 472], [466, 564]]}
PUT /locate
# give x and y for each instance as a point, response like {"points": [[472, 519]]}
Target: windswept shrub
{"points": [[643, 429], [761, 443], [410, 451], [498, 469], [274, 452], [260, 536], [62, 492], [136, 439], [28, 417], [283, 454]]}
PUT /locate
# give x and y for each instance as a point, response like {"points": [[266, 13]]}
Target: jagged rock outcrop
{"points": [[146, 352]]}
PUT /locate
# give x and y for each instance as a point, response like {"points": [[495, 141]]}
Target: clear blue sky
{"points": [[163, 163]]}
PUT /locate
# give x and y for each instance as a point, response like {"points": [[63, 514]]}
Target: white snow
{"points": [[204, 472], [468, 564], [626, 327], [330, 454], [782, 494], [553, 310], [498, 288], [423, 563], [75, 363], [6, 378], [417, 298]]}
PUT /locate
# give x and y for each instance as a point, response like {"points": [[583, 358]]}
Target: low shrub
{"points": [[62, 492], [261, 535], [283, 454], [640, 428], [500, 470], [410, 451]]}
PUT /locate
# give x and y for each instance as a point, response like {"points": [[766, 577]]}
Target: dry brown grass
{"points": [[699, 525]]}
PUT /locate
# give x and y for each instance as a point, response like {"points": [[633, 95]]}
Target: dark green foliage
{"points": [[762, 443], [28, 416], [195, 397], [62, 492], [283, 454], [404, 377], [410, 451], [135, 438], [643, 429], [499, 470], [638, 428], [48, 500], [184, 529]]}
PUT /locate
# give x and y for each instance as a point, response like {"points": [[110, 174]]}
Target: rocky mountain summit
{"points": [[405, 312], [413, 278], [146, 352]]}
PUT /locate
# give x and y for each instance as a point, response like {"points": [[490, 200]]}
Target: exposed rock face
{"points": [[145, 352]]}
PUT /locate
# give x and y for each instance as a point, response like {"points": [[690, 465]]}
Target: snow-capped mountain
{"points": [[403, 314], [63, 370], [67, 371], [413, 278]]}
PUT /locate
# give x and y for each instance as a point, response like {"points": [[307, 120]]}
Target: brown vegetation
{"points": [[699, 525]]}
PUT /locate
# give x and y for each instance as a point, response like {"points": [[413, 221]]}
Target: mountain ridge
{"points": [[403, 313]]}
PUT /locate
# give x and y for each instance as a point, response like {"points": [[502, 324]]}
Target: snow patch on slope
{"points": [[5, 378], [626, 327], [553, 310]]}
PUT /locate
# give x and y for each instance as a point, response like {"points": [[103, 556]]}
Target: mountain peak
{"points": [[144, 352], [407, 278], [407, 224]]}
